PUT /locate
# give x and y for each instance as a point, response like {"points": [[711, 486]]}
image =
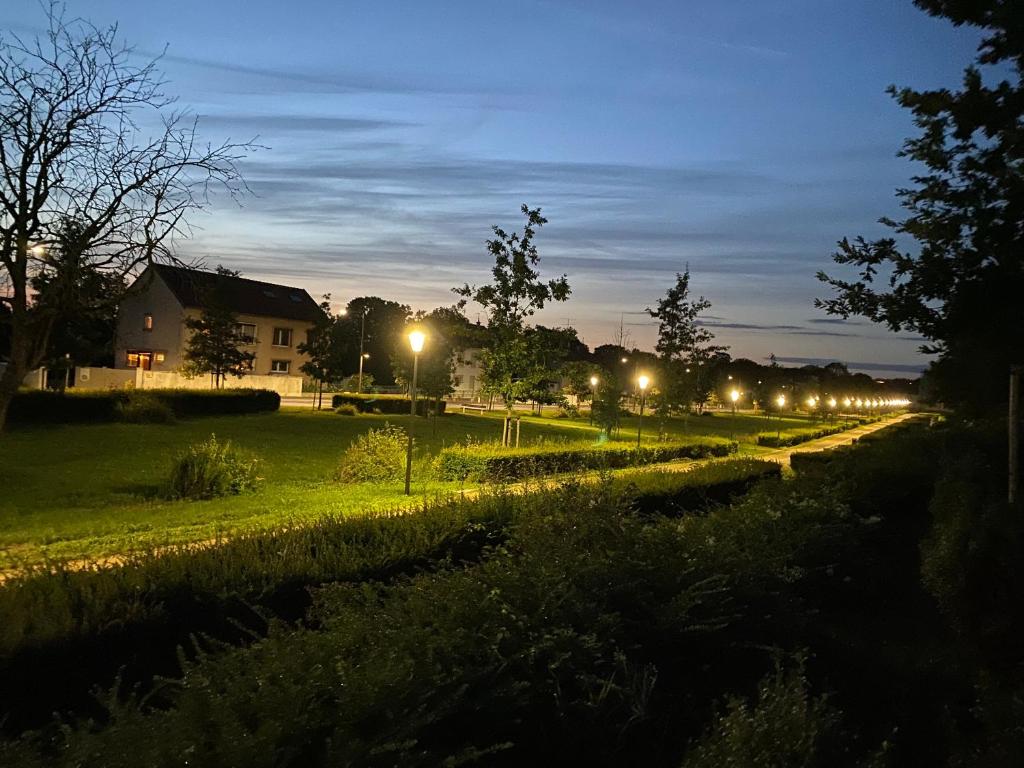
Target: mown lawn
{"points": [[88, 491]]}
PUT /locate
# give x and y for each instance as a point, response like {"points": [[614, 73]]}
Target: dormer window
{"points": [[147, 322]]}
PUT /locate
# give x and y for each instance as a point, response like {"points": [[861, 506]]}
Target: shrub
{"points": [[491, 463], [44, 407], [346, 409], [398, 405], [144, 408], [48, 407], [210, 469], [377, 456], [784, 726]]}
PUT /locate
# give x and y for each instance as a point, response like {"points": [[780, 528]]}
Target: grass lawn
{"points": [[87, 491]]}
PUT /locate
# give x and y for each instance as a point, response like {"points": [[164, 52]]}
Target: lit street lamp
{"points": [[734, 396], [416, 339], [364, 356], [642, 382], [593, 396]]}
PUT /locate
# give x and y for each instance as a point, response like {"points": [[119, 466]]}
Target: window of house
{"points": [[133, 359], [246, 332], [159, 357], [147, 322], [280, 366], [282, 337]]}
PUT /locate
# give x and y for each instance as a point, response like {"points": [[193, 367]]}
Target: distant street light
{"points": [[416, 339], [362, 336], [364, 356], [593, 396], [642, 382], [734, 396]]}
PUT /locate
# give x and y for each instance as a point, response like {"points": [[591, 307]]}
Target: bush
{"points": [[491, 463], [785, 726], [790, 437], [217, 402], [210, 469], [398, 405], [144, 408], [45, 407], [49, 407], [377, 456], [346, 409]]}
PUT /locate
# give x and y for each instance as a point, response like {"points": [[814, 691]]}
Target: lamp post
{"points": [[781, 402], [734, 395], [362, 336], [362, 356], [593, 395], [641, 382], [416, 339]]}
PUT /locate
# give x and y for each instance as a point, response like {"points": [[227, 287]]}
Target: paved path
{"points": [[782, 456]]}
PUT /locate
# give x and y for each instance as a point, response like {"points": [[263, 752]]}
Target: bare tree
{"points": [[86, 135]]}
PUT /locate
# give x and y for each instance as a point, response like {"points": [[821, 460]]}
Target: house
{"points": [[151, 334], [468, 375]]}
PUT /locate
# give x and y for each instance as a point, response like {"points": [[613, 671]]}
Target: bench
{"points": [[477, 408]]}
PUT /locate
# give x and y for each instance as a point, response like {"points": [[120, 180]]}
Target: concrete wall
{"points": [[283, 385], [150, 295], [105, 378]]}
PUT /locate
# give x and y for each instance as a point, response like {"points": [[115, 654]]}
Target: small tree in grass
{"points": [[323, 350], [515, 293], [214, 344]]}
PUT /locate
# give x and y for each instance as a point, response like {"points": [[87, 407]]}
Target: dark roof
{"points": [[243, 296]]}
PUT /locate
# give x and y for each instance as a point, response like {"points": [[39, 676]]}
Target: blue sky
{"points": [[740, 138]]}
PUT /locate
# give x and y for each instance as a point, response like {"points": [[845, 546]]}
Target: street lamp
{"points": [[363, 356], [642, 382], [362, 336], [734, 396], [416, 339], [593, 395]]}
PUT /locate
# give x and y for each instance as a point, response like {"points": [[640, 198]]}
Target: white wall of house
{"points": [[163, 339], [467, 375]]}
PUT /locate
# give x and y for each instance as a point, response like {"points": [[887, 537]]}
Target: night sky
{"points": [[738, 137]]}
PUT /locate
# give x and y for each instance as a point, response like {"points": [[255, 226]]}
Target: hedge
{"points": [[66, 632], [389, 404], [48, 407], [491, 463]]}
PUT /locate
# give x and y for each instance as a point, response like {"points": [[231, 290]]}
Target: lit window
{"points": [[133, 360], [282, 337], [280, 366], [246, 333], [159, 357], [147, 322]]}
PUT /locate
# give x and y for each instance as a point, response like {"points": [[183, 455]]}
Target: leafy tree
{"points": [[449, 333], [381, 323], [322, 347], [576, 375], [961, 287], [213, 346], [606, 409], [683, 343], [81, 299], [515, 293], [72, 103]]}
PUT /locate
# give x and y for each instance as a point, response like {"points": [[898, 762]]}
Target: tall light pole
{"points": [[734, 396], [641, 382], [362, 356], [781, 402], [593, 395], [362, 336], [416, 339]]}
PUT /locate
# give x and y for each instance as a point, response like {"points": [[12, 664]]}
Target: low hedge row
{"points": [[69, 631], [388, 404], [49, 407], [491, 463]]}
